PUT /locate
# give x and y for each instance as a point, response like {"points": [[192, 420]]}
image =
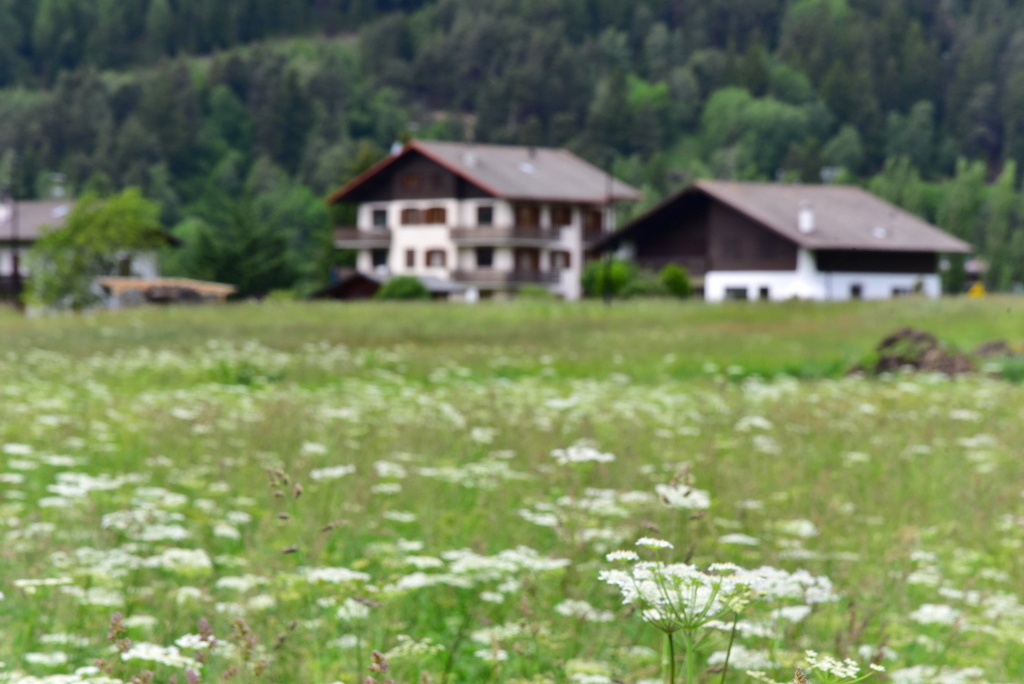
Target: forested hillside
{"points": [[238, 115]]}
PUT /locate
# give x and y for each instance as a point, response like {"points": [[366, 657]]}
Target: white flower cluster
{"points": [[846, 670], [581, 453], [334, 575], [935, 614], [332, 473], [681, 596], [170, 656], [683, 496], [583, 611]]}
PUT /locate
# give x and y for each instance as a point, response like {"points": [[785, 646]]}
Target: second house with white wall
{"points": [[779, 241], [489, 218]]}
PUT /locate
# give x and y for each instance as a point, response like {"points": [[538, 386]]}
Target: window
{"points": [[412, 181], [411, 217], [410, 258], [593, 222], [857, 291], [436, 258], [736, 293], [764, 294], [380, 218], [528, 216], [485, 257], [485, 216], [560, 261], [380, 257], [437, 215], [561, 215], [527, 259]]}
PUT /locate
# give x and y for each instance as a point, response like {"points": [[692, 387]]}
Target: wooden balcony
{"points": [[353, 238], [494, 278], [489, 236]]}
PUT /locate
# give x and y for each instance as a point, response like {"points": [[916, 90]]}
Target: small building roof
{"points": [[434, 285], [538, 174], [31, 217], [117, 285], [845, 217]]}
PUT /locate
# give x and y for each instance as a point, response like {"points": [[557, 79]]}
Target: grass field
{"points": [[273, 492]]}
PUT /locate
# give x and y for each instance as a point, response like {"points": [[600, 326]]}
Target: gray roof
{"points": [[32, 217], [846, 217], [538, 174]]}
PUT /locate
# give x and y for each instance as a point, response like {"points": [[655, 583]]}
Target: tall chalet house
{"points": [[485, 217], [781, 241]]}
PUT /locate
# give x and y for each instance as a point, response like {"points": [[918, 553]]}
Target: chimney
{"points": [[806, 222]]}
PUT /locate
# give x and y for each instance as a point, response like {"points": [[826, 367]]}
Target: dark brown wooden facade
{"points": [[413, 177], [703, 235]]}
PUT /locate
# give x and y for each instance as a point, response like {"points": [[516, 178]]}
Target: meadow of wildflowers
{"points": [[292, 495]]}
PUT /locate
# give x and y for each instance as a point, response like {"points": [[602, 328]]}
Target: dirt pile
{"points": [[918, 350], [995, 350]]}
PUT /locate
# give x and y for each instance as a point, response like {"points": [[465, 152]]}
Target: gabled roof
{"points": [[846, 217], [509, 172], [31, 217]]}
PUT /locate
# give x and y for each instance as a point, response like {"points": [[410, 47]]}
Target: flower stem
{"points": [[728, 652], [691, 657], [671, 658]]}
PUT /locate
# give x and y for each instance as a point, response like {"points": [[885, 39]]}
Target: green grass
{"points": [[205, 429]]}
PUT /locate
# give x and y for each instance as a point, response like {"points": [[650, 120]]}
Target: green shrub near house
{"points": [[403, 287], [676, 281]]}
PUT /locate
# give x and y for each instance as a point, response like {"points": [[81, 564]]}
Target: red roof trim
{"points": [[412, 146]]}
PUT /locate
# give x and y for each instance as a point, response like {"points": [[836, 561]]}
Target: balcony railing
{"points": [[519, 235], [353, 238], [489, 276]]}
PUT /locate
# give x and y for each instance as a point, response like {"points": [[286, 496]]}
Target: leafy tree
{"points": [[99, 234], [845, 150], [1000, 215], [226, 242], [913, 136]]}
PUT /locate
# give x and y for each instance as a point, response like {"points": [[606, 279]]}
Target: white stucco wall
{"points": [[806, 282], [463, 214], [7, 261]]}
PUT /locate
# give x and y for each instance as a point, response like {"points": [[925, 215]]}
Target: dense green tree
{"points": [[97, 235], [226, 242]]}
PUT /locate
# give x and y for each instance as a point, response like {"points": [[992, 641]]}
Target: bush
{"points": [[645, 284], [676, 280], [607, 277], [403, 287]]}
